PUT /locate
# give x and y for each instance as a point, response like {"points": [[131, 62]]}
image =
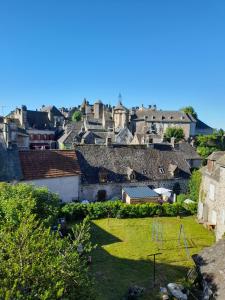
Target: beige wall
{"points": [[66, 187], [140, 200]]}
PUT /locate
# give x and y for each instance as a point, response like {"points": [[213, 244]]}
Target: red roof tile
{"points": [[38, 164]]}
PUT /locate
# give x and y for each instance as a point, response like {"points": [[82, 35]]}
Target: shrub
{"points": [[118, 209]]}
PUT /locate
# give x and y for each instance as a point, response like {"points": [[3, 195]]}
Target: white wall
{"points": [[67, 187]]}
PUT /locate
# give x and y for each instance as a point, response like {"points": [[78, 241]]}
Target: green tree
{"points": [[207, 144], [174, 132], [194, 185], [189, 110], [76, 116], [37, 263]]}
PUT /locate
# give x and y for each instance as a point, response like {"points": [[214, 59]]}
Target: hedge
{"points": [[118, 209]]}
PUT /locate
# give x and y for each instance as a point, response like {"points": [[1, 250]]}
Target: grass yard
{"points": [[121, 258]]}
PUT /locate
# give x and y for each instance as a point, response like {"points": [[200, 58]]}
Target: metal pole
{"points": [[154, 267]]}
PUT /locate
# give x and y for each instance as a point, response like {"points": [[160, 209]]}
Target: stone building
{"points": [[107, 169], [145, 125], [41, 127], [211, 207]]}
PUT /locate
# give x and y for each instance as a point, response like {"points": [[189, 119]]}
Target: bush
{"points": [[118, 209]]}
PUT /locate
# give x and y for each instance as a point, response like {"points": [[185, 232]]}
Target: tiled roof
{"points": [[40, 164], [140, 192]]}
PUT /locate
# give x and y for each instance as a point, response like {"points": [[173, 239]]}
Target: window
{"points": [[161, 170], [211, 192], [144, 172]]}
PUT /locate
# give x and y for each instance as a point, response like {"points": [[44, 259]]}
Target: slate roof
{"points": [[120, 107], [188, 151], [140, 192], [124, 136], [40, 164], [9, 164], [115, 159], [202, 125], [163, 116], [53, 110], [216, 155], [221, 161], [38, 119]]}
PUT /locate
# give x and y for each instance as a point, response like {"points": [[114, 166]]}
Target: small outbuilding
{"points": [[139, 194]]}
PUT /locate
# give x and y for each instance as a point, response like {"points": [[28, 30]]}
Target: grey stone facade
{"points": [[211, 207], [114, 190]]}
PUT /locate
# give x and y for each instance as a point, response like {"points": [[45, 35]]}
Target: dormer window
{"points": [[163, 118], [171, 117], [131, 174], [161, 170], [153, 117], [173, 169], [102, 175], [144, 172]]}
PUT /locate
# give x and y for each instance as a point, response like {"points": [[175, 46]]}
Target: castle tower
{"points": [[120, 116], [98, 110]]}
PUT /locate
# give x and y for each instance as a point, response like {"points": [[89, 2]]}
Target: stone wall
{"points": [[114, 190], [211, 209]]}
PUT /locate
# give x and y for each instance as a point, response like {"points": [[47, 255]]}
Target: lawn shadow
{"points": [[114, 275]]}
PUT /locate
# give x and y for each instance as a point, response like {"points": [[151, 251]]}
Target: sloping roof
{"points": [[53, 110], [221, 161], [216, 155], [188, 150], [120, 107], [202, 125], [124, 136], [140, 192], [117, 158], [211, 263], [40, 164], [9, 165], [38, 119], [163, 116]]}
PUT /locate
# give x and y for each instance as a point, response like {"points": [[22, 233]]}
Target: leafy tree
{"points": [[206, 144], [17, 200], [194, 185], [76, 116], [176, 132], [36, 263], [189, 110]]}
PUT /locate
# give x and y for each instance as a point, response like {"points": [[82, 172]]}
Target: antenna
{"points": [[2, 109]]}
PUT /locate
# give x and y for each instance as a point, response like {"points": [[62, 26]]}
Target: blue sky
{"points": [[165, 52]]}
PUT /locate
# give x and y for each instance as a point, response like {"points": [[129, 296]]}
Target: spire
{"points": [[120, 99]]}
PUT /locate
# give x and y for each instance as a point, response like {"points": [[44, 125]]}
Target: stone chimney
{"points": [[172, 142]]}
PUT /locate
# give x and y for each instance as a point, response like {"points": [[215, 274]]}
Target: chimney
{"points": [[172, 142], [108, 141]]}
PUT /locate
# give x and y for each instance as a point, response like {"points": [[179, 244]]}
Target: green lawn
{"points": [[121, 258]]}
